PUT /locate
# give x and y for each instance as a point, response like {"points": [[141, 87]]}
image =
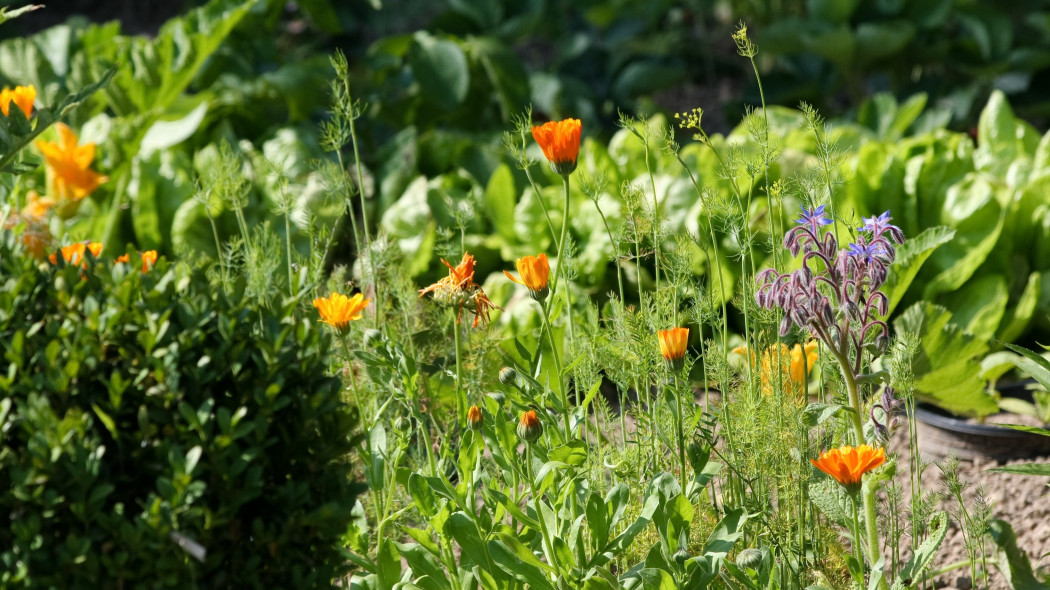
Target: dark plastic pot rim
{"points": [[936, 417]]}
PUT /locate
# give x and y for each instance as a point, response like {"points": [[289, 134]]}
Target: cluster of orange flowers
{"points": [[69, 176], [75, 254]]}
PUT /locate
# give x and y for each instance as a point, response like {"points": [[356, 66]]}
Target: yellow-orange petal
{"points": [[847, 465], [673, 343], [149, 259]]}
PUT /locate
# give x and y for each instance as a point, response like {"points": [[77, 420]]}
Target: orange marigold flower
{"points": [[535, 271], [74, 253], [560, 142], [672, 346], [149, 260], [22, 96], [848, 464], [459, 289], [123, 258], [338, 310], [69, 174], [794, 364], [529, 426], [474, 418]]}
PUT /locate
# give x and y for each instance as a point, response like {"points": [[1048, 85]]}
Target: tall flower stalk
{"points": [[836, 296]]}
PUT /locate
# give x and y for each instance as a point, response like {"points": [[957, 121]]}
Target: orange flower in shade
{"points": [[795, 363], [149, 259], [529, 426], [459, 289], [848, 464], [22, 96], [560, 142], [69, 174], [535, 271], [672, 346], [338, 310], [74, 253]]}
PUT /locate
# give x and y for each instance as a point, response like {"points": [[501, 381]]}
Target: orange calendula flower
{"points": [[672, 346], [338, 310], [848, 464], [794, 363], [459, 289], [69, 174], [560, 142], [535, 271], [22, 96], [529, 426], [74, 253]]}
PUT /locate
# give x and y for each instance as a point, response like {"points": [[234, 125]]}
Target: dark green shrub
{"points": [[144, 411]]}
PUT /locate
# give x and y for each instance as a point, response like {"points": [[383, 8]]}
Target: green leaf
{"points": [[519, 562], [465, 532], [573, 453], [921, 559], [978, 306], [946, 367], [972, 209], [910, 257], [1019, 315], [1038, 469], [1013, 562], [1032, 364], [726, 533], [441, 69], [410, 223], [499, 200], [174, 127], [997, 142], [832, 500], [654, 579]]}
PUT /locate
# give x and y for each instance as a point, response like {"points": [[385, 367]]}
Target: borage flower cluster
{"points": [[836, 294]]}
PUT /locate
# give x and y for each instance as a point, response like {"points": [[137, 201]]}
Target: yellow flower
{"points": [[535, 271], [672, 346], [22, 96], [795, 364], [560, 142], [69, 174], [74, 253], [847, 464], [338, 310]]}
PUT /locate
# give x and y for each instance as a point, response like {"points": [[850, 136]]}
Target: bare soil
{"points": [[1020, 500]]}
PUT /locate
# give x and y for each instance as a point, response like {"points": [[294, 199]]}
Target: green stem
{"points": [[558, 368], [681, 430], [461, 413], [548, 547]]}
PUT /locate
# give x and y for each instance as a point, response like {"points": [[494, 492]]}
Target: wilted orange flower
{"points": [[560, 142], [848, 464], [529, 426], [672, 346], [36, 236], [535, 271], [459, 289], [795, 363], [74, 253], [22, 96], [69, 174], [338, 310]]}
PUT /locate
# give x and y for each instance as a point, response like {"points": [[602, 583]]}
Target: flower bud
{"points": [[681, 555], [508, 376], [403, 424], [498, 397], [882, 342], [698, 455], [529, 426], [373, 338], [474, 418], [749, 558]]}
